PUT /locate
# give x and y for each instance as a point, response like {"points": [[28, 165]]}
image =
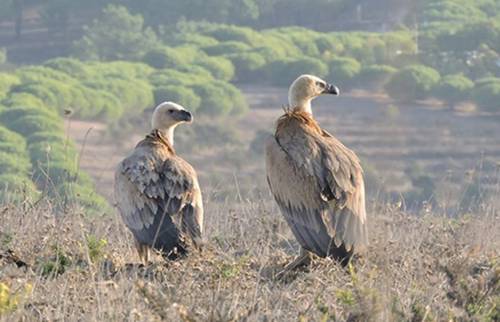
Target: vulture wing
{"points": [[318, 184], [153, 190]]}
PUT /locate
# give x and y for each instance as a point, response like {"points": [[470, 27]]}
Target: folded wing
{"points": [[159, 198], [318, 184]]}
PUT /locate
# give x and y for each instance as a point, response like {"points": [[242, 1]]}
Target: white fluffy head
{"points": [[307, 87], [169, 114]]}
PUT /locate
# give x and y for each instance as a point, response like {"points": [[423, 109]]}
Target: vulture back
{"points": [[318, 185], [158, 196]]}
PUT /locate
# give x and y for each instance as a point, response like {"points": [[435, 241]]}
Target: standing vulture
{"points": [[316, 181], [157, 192]]}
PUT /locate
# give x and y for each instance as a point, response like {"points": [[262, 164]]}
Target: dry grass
{"points": [[416, 269]]}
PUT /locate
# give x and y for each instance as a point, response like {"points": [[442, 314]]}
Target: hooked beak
{"points": [[185, 116], [331, 89]]}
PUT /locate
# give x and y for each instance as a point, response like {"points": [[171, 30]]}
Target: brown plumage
{"points": [[316, 181], [157, 192]]}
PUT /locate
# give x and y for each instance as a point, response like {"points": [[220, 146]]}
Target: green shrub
{"points": [[486, 80], [193, 39], [13, 114], [343, 70], [179, 94], [225, 48], [239, 104], [246, 65], [224, 33], [29, 124], [46, 153], [214, 100], [134, 95], [164, 57], [85, 196], [12, 163], [40, 91], [9, 147], [70, 66], [40, 74], [53, 137], [487, 96], [23, 99], [15, 187], [454, 88], [328, 45], [48, 174], [283, 72], [175, 77], [6, 82], [412, 83], [220, 67], [10, 137], [374, 77]]}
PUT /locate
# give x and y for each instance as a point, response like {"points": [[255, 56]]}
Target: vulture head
{"points": [[307, 87], [167, 116]]}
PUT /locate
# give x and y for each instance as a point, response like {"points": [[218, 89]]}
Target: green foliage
{"points": [[486, 94], [220, 67], [23, 99], [247, 65], [39, 91], [374, 77], [70, 66], [96, 248], [6, 82], [11, 163], [16, 187], [283, 72], [219, 98], [57, 264], [116, 35], [29, 124], [14, 113], [343, 70], [454, 88], [49, 136], [179, 94], [164, 57], [224, 33], [226, 48], [412, 83], [9, 137]]}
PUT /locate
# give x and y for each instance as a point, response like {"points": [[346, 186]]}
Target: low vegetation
{"points": [[416, 269]]}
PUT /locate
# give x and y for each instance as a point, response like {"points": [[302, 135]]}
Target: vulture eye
{"points": [[170, 111], [321, 84]]}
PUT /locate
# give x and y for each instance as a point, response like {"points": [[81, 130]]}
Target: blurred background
{"points": [[419, 79]]}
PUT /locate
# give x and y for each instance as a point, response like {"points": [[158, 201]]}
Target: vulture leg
{"points": [[304, 259], [143, 251]]}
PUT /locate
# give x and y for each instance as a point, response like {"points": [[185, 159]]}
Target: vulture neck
{"points": [[301, 104], [168, 134]]}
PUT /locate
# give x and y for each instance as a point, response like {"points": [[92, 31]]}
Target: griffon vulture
{"points": [[316, 181], [157, 192]]}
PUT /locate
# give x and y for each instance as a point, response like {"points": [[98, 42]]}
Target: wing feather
{"points": [[150, 184], [318, 184]]}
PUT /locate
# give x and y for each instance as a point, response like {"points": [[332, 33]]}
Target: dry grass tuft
{"points": [[416, 269]]}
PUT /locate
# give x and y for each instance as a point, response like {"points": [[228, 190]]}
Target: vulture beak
{"points": [[331, 89], [185, 116]]}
